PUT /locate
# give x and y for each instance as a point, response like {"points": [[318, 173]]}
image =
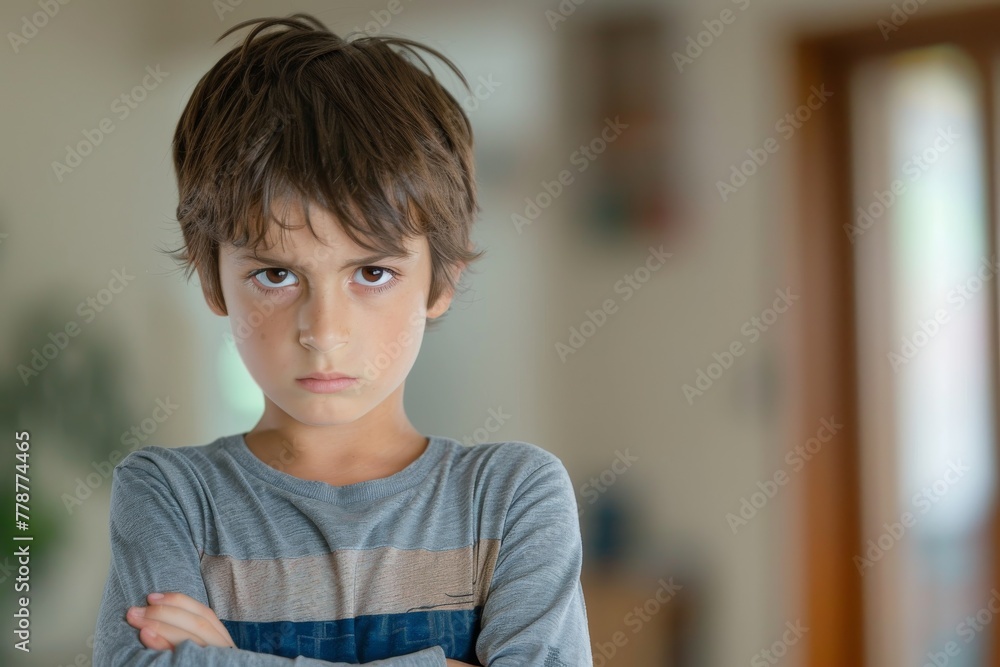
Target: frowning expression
{"points": [[309, 305]]}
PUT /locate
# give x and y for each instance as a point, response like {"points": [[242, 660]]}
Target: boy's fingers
{"points": [[167, 636], [190, 604], [168, 621], [150, 639]]}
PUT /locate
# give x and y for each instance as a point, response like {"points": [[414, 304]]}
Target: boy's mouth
{"points": [[324, 386], [326, 376]]}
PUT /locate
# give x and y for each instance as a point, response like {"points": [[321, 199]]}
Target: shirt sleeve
{"points": [[153, 549], [534, 613]]}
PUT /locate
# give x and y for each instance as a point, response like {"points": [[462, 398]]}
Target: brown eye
{"points": [[265, 277], [372, 272], [279, 272], [374, 276]]}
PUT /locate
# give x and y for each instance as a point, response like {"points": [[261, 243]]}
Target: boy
{"points": [[327, 191]]}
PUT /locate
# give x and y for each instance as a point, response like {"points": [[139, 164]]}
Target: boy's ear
{"points": [[441, 305], [447, 294]]}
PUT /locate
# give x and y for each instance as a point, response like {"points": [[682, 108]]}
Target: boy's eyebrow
{"points": [[247, 257]]}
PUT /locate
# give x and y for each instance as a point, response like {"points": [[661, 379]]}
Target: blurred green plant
{"points": [[74, 401]]}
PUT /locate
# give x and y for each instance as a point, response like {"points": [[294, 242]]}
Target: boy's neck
{"points": [[340, 464], [379, 444]]}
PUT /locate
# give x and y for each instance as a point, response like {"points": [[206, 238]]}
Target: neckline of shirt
{"points": [[371, 489]]}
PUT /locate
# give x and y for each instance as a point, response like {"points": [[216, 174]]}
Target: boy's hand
{"points": [[174, 617], [456, 663]]}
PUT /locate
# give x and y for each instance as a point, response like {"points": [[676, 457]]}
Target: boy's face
{"points": [[326, 309]]}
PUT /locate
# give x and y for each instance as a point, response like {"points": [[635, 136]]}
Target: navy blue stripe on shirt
{"points": [[364, 638]]}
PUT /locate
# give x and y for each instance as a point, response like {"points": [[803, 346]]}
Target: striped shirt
{"points": [[471, 553]]}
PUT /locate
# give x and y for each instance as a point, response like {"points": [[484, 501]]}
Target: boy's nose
{"points": [[323, 322]]}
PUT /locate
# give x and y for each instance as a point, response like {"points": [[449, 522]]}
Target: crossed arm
{"points": [[534, 612], [175, 617]]}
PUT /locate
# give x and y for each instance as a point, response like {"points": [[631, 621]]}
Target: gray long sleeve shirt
{"points": [[471, 553]]}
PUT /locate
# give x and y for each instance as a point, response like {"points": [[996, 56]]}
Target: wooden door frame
{"points": [[825, 371]]}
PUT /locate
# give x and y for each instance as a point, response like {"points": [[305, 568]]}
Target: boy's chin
{"points": [[324, 409], [322, 418]]}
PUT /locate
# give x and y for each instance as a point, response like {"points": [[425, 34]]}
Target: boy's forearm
{"points": [[189, 654]]}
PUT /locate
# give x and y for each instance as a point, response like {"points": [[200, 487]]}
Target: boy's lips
{"points": [[326, 376], [327, 386]]}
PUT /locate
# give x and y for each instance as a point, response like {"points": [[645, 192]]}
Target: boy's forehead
{"points": [[292, 232], [301, 241]]}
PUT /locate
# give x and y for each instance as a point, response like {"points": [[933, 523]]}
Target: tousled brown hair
{"points": [[348, 123]]}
